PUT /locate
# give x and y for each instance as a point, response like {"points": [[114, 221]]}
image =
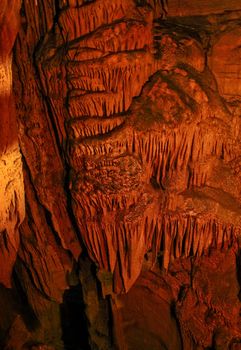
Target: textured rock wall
{"points": [[129, 125], [143, 171], [12, 205]]}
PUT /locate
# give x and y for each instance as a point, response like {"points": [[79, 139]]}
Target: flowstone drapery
{"points": [[146, 135], [128, 116]]}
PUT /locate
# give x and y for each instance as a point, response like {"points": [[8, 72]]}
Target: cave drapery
{"points": [[120, 168]]}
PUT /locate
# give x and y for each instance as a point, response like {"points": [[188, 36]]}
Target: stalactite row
{"points": [[162, 150], [102, 69], [76, 22], [166, 236], [116, 81], [170, 151], [114, 38], [194, 237], [92, 127]]}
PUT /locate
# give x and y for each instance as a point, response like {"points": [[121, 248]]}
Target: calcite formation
{"points": [[144, 161], [128, 117]]}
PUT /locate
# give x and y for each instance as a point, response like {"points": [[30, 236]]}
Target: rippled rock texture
{"points": [[128, 116]]}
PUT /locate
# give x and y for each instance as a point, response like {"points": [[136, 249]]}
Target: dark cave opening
{"points": [[73, 320]]}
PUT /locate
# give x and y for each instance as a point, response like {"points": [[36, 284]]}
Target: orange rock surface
{"points": [[128, 118], [11, 177]]}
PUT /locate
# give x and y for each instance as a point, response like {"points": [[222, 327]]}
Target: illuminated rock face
{"points": [[12, 206], [106, 65], [129, 124], [147, 137]]}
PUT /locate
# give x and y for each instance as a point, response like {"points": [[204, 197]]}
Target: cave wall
{"points": [[11, 190], [128, 119]]}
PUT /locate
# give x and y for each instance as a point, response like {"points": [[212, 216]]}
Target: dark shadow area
{"points": [[8, 310], [24, 307], [73, 320], [173, 313], [14, 306]]}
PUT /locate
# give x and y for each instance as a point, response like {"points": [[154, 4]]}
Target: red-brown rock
{"points": [[128, 116]]}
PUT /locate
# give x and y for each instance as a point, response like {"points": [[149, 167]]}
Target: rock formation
{"points": [[128, 120], [11, 190]]}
